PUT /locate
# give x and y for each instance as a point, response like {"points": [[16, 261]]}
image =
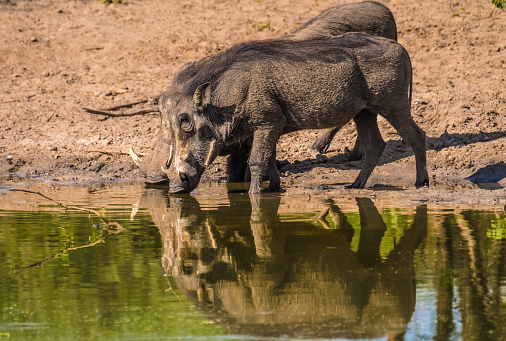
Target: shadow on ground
{"points": [[397, 149], [489, 174]]}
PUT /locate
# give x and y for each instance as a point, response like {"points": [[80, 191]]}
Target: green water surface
{"points": [[218, 266]]}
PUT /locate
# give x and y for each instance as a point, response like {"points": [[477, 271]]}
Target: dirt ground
{"points": [[57, 57]]}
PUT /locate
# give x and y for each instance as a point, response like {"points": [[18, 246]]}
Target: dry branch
{"points": [[110, 152], [109, 228], [122, 114], [58, 254], [126, 105], [109, 111]]}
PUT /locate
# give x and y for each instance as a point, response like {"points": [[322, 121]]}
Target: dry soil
{"points": [[57, 57]]}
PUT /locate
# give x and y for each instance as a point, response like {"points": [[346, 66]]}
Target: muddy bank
{"points": [[56, 58]]}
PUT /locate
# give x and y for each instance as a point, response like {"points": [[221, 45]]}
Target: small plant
{"points": [[499, 3], [262, 27]]}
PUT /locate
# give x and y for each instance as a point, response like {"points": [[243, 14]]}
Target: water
{"points": [[224, 266]]}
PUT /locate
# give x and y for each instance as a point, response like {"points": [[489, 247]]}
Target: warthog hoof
{"points": [[422, 183]]}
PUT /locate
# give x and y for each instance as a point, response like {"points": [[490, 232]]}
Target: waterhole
{"points": [[111, 262]]}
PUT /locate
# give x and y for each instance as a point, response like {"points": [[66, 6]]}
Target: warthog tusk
{"points": [[210, 154], [166, 166], [134, 156]]}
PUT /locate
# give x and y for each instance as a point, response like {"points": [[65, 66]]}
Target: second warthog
{"points": [[369, 17], [256, 91]]}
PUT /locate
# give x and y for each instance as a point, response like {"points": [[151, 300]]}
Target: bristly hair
{"points": [[210, 68]]}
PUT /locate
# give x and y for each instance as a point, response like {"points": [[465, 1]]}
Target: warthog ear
{"points": [[157, 99], [202, 96]]}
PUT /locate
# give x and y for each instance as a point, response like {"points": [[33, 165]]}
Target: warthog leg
{"points": [[411, 133], [237, 165], [358, 151], [370, 138], [263, 154], [322, 144], [274, 179], [325, 138]]}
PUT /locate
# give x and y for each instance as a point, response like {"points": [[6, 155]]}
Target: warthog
{"points": [[369, 17], [256, 91]]}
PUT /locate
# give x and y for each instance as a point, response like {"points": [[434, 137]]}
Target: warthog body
{"points": [[369, 17], [256, 91]]}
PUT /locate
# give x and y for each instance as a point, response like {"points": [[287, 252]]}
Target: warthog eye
{"points": [[185, 123]]}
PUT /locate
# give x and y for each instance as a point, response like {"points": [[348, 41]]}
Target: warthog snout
{"points": [[186, 180]]}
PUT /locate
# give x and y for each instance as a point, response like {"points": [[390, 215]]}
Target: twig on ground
{"points": [[69, 28], [94, 48], [126, 105], [108, 112], [122, 114], [110, 152]]}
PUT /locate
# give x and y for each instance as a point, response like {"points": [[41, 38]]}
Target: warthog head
{"points": [[194, 141]]}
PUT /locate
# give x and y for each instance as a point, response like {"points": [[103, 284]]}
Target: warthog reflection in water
{"points": [[263, 276]]}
